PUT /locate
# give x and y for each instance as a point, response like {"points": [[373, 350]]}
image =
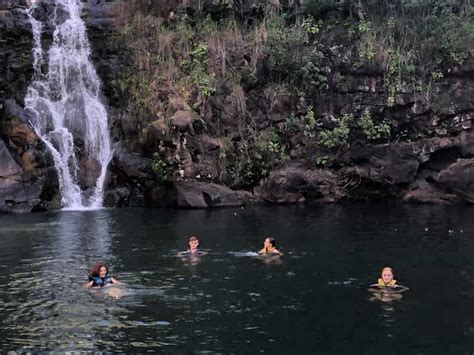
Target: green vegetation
{"points": [[165, 170], [195, 68], [338, 136], [371, 130], [292, 54], [346, 127], [321, 161], [409, 40], [250, 160], [258, 82]]}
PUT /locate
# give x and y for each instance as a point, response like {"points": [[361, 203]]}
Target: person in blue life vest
{"points": [[99, 276]]}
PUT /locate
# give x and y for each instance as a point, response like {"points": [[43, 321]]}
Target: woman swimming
{"points": [[269, 247], [99, 276]]}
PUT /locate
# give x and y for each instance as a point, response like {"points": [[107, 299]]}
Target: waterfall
{"points": [[65, 105]]}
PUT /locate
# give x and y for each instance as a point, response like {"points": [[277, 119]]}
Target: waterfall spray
{"points": [[64, 100]]}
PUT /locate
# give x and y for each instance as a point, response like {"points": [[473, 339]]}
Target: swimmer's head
{"points": [[99, 269], [193, 243], [270, 242], [387, 274]]}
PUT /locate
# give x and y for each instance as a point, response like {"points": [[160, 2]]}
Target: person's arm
{"points": [[263, 251], [277, 252], [89, 284], [115, 281]]}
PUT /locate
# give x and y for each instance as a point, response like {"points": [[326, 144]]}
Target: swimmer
{"points": [[386, 288], [99, 277], [269, 247], [193, 247], [386, 279]]}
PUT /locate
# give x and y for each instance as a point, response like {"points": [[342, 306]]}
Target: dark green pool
{"points": [[313, 299]]}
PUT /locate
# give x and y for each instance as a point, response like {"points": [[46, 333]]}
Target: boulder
{"points": [[13, 110], [193, 194], [89, 172], [459, 178], [16, 193], [297, 184], [176, 104], [131, 165], [209, 144], [117, 197], [425, 193], [157, 131], [22, 135], [389, 164], [182, 120]]}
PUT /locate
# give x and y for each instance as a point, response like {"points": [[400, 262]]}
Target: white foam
{"points": [[243, 253], [66, 106]]}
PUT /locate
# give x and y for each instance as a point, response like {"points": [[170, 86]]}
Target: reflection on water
{"points": [[44, 292], [314, 298], [386, 297]]}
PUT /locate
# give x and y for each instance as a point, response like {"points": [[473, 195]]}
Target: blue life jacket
{"points": [[100, 281]]}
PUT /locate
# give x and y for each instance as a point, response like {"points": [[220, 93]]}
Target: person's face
{"points": [[102, 271], [267, 243], [193, 244], [387, 275]]}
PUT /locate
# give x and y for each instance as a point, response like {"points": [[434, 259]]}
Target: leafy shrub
{"points": [[371, 130], [165, 170], [338, 136], [321, 161], [196, 69], [290, 55]]}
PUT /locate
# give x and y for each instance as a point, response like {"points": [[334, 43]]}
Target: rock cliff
{"points": [[177, 153]]}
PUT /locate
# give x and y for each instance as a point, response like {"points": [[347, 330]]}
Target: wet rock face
{"points": [[387, 164], [28, 180], [89, 172], [17, 194], [182, 120], [194, 194], [406, 170], [459, 178], [297, 184], [15, 55], [203, 195]]}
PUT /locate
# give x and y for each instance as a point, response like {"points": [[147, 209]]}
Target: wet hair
{"points": [[95, 269], [193, 238], [271, 240]]}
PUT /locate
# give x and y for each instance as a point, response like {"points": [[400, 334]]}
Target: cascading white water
{"points": [[67, 112]]}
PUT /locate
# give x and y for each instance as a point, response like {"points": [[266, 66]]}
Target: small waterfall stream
{"points": [[67, 112]]}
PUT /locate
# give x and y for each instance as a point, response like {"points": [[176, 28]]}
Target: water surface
{"points": [[313, 299]]}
